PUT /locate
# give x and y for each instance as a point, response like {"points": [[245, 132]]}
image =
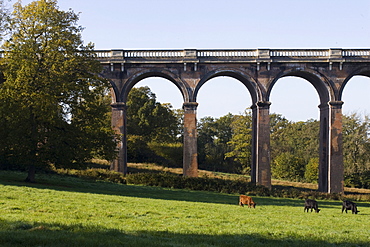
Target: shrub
{"points": [[170, 152], [96, 174], [312, 171], [358, 180], [288, 166], [168, 180], [238, 186]]}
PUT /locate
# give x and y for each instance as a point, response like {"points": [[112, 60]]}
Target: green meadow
{"points": [[68, 211]]}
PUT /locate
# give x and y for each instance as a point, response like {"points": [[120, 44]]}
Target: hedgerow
{"points": [[168, 180], [237, 186]]}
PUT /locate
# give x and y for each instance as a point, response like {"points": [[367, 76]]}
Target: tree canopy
{"points": [[53, 109], [154, 129]]}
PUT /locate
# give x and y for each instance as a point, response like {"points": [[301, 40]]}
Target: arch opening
{"points": [[166, 92], [154, 123], [355, 95], [153, 75], [356, 131], [295, 98], [294, 128], [224, 126], [221, 95]]}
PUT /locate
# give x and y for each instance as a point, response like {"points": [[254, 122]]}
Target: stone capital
{"points": [[119, 105], [190, 106], [261, 104], [332, 104], [336, 103]]}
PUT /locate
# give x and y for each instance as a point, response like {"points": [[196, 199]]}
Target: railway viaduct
{"points": [[328, 70]]}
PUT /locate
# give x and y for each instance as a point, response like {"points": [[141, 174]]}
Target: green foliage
{"points": [[288, 166], [311, 173], [294, 147], [3, 19], [95, 174], [168, 180], [240, 142], [171, 152], [138, 150], [298, 138], [358, 180], [153, 130], [356, 144], [53, 105], [150, 119], [213, 138]]}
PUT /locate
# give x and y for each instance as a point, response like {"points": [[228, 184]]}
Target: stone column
{"points": [[190, 153], [323, 148], [119, 127], [331, 169], [261, 169]]}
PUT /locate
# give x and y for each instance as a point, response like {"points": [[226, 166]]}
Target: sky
{"points": [[233, 24]]}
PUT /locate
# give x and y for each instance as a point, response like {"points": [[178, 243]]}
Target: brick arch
{"points": [[252, 86], [153, 73], [319, 82]]}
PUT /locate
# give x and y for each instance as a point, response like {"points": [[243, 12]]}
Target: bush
{"points": [[96, 174], [168, 180], [238, 186], [311, 174], [288, 166], [358, 180], [170, 152]]}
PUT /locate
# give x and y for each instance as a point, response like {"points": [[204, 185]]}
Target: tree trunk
{"points": [[32, 161], [31, 174]]}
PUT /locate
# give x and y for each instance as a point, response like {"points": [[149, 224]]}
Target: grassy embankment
{"points": [[67, 211], [142, 167]]}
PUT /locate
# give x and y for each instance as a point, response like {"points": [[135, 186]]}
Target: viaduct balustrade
{"points": [[328, 70]]}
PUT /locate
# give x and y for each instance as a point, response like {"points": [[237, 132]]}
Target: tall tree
{"points": [[150, 119], [154, 129], [356, 143], [3, 18], [241, 141], [53, 107], [298, 138], [213, 138]]}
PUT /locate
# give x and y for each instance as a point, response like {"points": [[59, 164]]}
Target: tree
{"points": [[150, 119], [154, 129], [240, 144], [3, 18], [213, 138], [311, 173], [54, 108], [278, 125], [298, 138], [288, 166], [356, 144], [294, 142]]}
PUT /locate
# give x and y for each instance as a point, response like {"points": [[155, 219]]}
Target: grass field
{"points": [[66, 211]]}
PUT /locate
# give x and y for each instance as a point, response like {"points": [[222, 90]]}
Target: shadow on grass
{"points": [[66, 183], [20, 234], [73, 184]]}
